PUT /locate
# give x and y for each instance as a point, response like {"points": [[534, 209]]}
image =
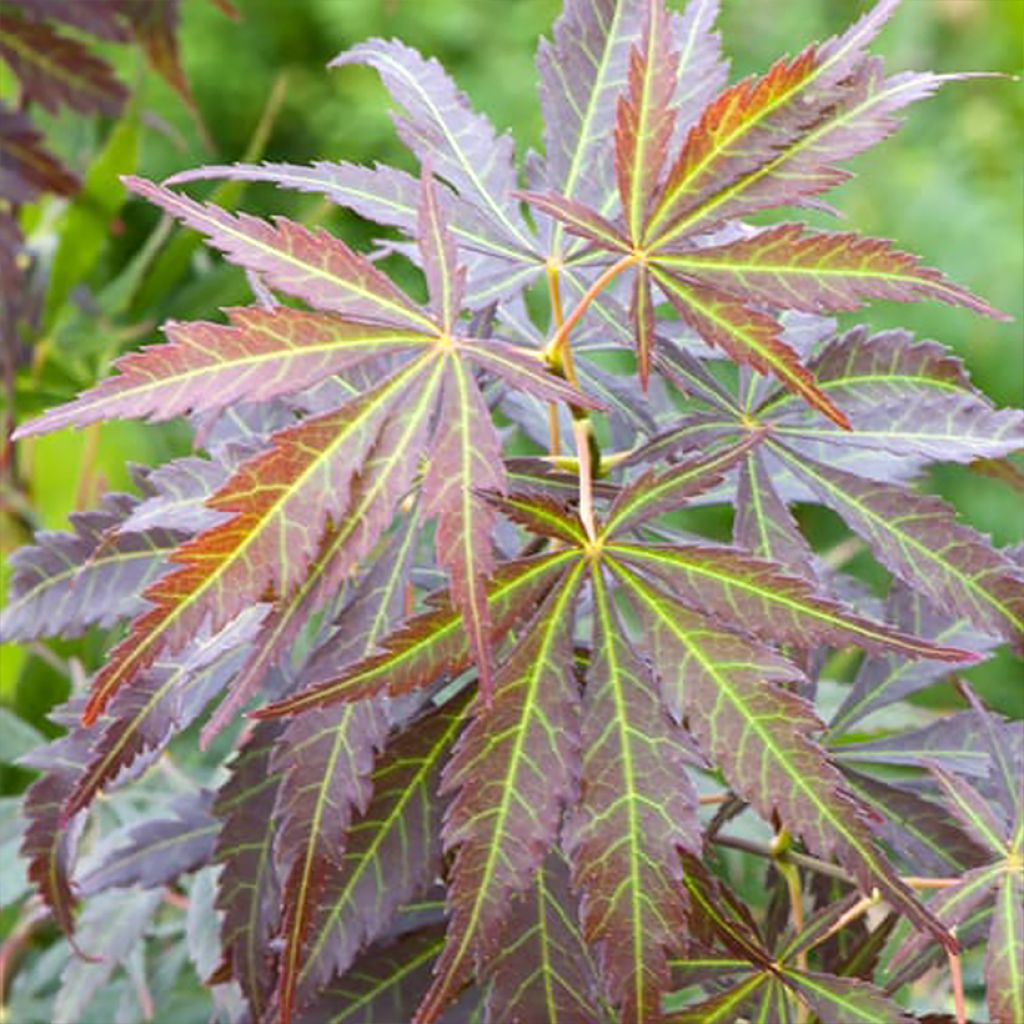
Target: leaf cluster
{"points": [[508, 709]]}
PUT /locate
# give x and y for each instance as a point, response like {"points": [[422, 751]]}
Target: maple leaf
{"points": [[494, 685]]}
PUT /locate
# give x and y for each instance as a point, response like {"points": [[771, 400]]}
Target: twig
{"points": [[555, 351]]}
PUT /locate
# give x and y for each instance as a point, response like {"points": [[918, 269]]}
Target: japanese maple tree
{"points": [[497, 712]]}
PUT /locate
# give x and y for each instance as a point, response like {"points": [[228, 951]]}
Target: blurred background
{"points": [[950, 187]]}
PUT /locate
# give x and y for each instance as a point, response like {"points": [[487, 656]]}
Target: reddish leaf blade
{"points": [[50, 841], [637, 810], [512, 774], [543, 970], [641, 313], [845, 1000], [56, 71], [645, 118], [702, 70], [446, 280], [525, 370], [382, 194], [385, 984], [465, 458], [280, 501], [311, 265], [918, 539], [581, 72], [578, 218], [543, 515], [1004, 975], [435, 643], [744, 129], [392, 851], [745, 335], [169, 697], [157, 851], [325, 758], [156, 26], [817, 272], [862, 115], [738, 132], [99, 18], [385, 477], [26, 168], [762, 736], [759, 598], [248, 889], [263, 354], [764, 525], [440, 126], [657, 492]]}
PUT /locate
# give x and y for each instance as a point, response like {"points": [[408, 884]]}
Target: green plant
{"points": [[480, 773]]}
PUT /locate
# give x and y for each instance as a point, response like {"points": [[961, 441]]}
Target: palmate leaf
{"points": [[637, 809], [280, 502], [512, 773], [727, 687]]}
